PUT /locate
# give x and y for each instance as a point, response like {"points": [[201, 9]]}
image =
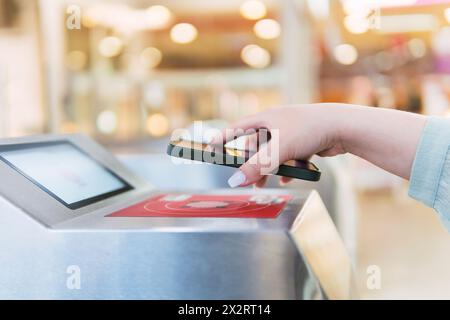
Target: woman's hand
{"points": [[387, 138]]}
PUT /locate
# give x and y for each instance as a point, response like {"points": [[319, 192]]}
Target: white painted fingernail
{"points": [[236, 179]]}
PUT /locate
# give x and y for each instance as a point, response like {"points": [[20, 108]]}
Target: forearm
{"points": [[384, 137]]}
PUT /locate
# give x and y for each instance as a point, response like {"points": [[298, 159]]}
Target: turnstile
{"points": [[52, 249]]}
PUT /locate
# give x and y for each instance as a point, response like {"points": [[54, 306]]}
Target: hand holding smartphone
{"points": [[233, 157]]}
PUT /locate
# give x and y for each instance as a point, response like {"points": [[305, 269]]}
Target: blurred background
{"points": [[128, 73]]}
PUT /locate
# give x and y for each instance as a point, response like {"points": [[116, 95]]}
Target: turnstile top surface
{"points": [[98, 220]]}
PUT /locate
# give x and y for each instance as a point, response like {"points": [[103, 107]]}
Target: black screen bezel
{"points": [[74, 205]]}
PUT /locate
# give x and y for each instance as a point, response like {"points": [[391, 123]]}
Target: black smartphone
{"points": [[231, 157]]}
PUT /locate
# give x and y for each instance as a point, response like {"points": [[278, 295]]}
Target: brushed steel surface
{"points": [[154, 263]]}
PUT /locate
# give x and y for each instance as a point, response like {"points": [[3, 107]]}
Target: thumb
{"points": [[266, 161]]}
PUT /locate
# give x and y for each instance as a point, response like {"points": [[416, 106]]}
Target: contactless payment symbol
{"points": [[207, 206]]}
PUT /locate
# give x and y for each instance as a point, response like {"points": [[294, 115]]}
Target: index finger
{"points": [[240, 128]]}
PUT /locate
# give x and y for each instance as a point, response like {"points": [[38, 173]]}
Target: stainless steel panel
{"points": [[148, 265]]}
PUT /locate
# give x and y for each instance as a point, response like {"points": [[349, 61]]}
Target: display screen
{"points": [[64, 171]]}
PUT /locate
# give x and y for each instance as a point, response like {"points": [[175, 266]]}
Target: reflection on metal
{"points": [[320, 244]]}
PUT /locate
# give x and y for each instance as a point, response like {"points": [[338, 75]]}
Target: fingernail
{"points": [[236, 179]]}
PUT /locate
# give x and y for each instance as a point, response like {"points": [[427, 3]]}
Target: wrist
{"points": [[342, 124], [349, 126]]}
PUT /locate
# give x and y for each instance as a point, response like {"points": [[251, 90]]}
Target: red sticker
{"points": [[207, 206]]}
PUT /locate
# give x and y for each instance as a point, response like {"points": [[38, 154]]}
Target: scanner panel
{"points": [[50, 210]]}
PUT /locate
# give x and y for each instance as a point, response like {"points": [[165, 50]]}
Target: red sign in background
{"points": [[203, 206]]}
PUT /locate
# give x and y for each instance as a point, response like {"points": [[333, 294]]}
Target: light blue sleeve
{"points": [[430, 176]]}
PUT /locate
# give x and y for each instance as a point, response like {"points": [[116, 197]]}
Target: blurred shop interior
{"points": [[128, 73]]}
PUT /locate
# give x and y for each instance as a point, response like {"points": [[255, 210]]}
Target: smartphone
{"points": [[232, 157]]}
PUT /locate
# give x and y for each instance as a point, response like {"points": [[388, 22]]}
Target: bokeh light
{"points": [[110, 47], [157, 125], [417, 48], [253, 9], [267, 29], [150, 57], [356, 24], [345, 54], [441, 43], [107, 122], [183, 33], [255, 56], [158, 16], [447, 14], [125, 19], [360, 8]]}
